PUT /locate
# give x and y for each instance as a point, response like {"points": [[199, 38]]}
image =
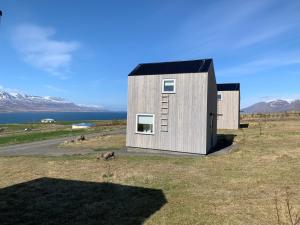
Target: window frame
{"points": [[136, 123], [219, 93], [163, 85]]}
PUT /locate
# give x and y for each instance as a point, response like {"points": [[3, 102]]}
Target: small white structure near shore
{"points": [[82, 125], [47, 120]]}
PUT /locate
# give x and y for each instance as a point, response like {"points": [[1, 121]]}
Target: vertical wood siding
{"points": [[187, 112], [229, 110], [211, 109]]}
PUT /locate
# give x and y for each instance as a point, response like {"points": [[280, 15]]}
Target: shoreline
{"points": [[36, 117]]}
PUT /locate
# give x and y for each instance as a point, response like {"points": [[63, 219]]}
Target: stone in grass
{"points": [[106, 155], [81, 138]]}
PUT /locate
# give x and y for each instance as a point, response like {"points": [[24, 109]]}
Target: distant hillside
{"points": [[273, 106], [16, 102]]}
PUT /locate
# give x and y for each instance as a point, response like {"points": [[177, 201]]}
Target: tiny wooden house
{"points": [[172, 106], [228, 106]]}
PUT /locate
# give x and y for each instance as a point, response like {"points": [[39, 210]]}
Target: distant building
{"points": [[228, 106], [172, 106], [47, 121], [82, 125]]}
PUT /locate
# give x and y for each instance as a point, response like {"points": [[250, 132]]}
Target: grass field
{"points": [[36, 136], [235, 188], [15, 134]]}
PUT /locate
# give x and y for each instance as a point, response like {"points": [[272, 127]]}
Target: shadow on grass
{"points": [[244, 125], [57, 201], [223, 141]]}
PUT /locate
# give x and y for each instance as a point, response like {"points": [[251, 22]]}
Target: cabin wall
{"points": [[186, 118], [229, 110], [211, 109]]}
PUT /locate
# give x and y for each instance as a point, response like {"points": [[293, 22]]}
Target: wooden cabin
{"points": [[228, 106], [172, 106]]}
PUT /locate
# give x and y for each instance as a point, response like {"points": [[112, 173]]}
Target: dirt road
{"points": [[50, 147]]}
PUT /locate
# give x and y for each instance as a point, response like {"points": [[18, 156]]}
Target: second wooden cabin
{"points": [[228, 106]]}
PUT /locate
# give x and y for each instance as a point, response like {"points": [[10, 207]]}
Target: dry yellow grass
{"points": [[236, 188], [102, 142]]}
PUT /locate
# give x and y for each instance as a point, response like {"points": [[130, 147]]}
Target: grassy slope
{"points": [[14, 133], [236, 188]]}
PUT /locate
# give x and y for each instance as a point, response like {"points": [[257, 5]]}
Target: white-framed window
{"points": [[219, 96], [169, 86], [145, 123]]}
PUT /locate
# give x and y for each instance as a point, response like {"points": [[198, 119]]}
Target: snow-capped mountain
{"points": [[273, 106], [17, 102]]}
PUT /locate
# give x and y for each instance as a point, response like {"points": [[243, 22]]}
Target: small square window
{"points": [[219, 96], [169, 86], [145, 123]]}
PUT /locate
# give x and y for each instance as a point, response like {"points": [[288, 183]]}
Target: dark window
{"points": [[145, 128], [169, 86]]}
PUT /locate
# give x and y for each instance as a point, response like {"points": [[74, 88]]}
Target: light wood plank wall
{"points": [[187, 119], [229, 110]]}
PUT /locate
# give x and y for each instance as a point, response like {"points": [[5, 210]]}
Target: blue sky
{"points": [[83, 50]]}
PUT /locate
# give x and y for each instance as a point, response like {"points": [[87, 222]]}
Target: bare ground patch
{"points": [[99, 143]]}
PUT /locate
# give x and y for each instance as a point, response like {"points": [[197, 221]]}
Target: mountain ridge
{"points": [[17, 102], [274, 106]]}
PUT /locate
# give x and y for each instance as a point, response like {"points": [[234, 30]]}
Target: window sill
{"points": [[166, 92], [144, 133]]}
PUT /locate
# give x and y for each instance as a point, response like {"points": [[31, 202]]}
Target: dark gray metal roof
{"points": [[228, 87], [191, 66]]}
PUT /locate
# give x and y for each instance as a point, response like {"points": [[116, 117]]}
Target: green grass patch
{"points": [[38, 136], [15, 127], [15, 134]]}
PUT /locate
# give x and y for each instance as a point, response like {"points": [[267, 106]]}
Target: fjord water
{"points": [[31, 117]]}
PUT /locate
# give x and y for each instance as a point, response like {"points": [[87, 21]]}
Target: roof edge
{"points": [[205, 64], [228, 86]]}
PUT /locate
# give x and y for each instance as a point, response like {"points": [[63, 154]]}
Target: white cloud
{"points": [[37, 47], [262, 36], [261, 64], [233, 25], [54, 88]]}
